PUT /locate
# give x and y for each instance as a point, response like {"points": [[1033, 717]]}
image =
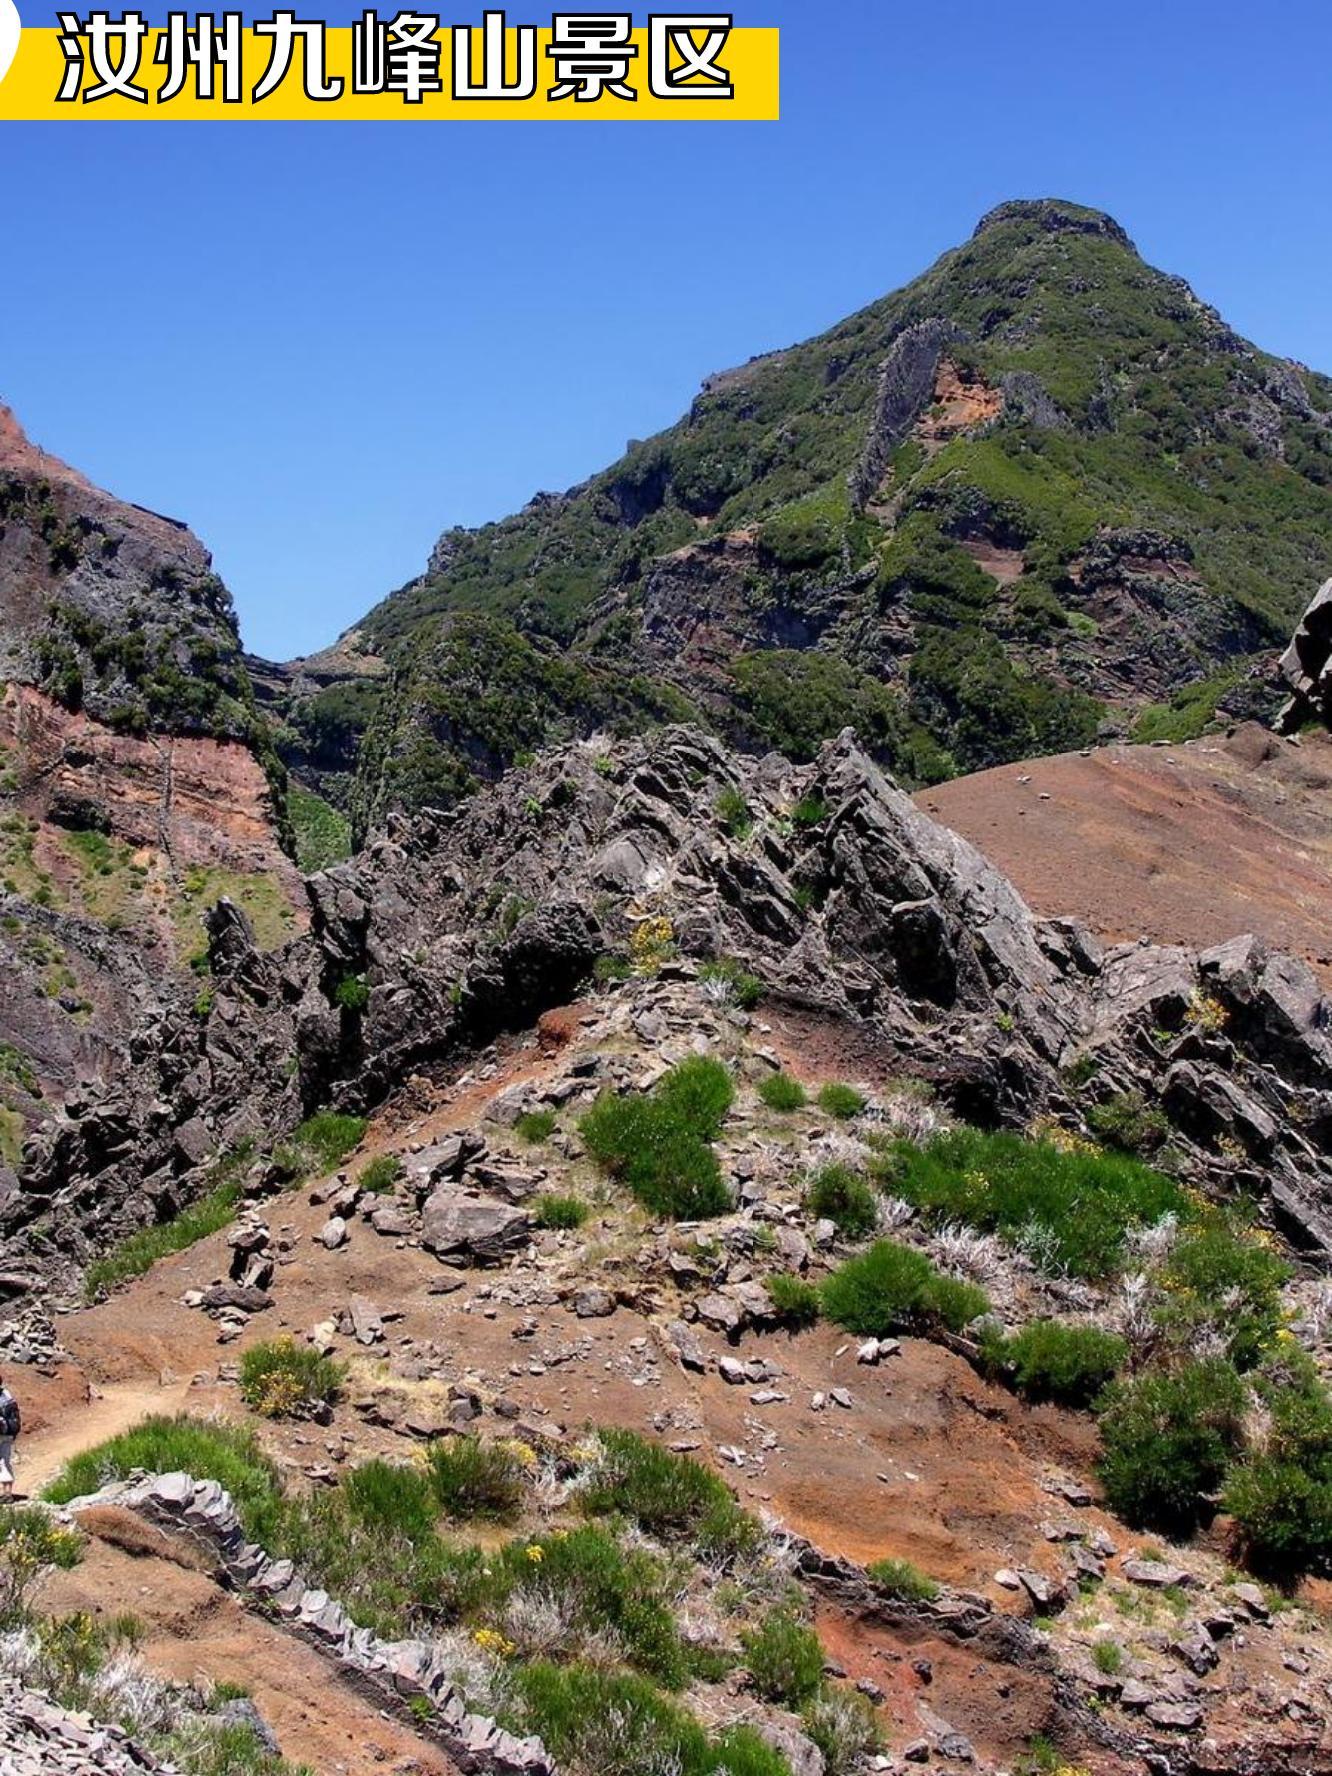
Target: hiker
{"points": [[10, 1425]]}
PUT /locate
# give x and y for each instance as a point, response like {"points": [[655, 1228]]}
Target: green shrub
{"points": [[902, 1580], [387, 1495], [1168, 1439], [371, 1542], [536, 1126], [30, 1543], [1130, 1124], [1108, 1657], [599, 1723], [955, 1301], [352, 994], [1071, 1209], [841, 1101], [701, 1091], [608, 969], [555, 1212], [381, 1176], [1281, 1495], [207, 1449], [796, 1304], [596, 1588], [741, 1751], [326, 1138], [785, 1659], [732, 810], [669, 1496], [1051, 1360], [780, 1092], [893, 1288], [323, 835], [660, 1145], [282, 1379], [1220, 1278], [842, 1723], [810, 810], [746, 989], [837, 1194], [475, 1479]]}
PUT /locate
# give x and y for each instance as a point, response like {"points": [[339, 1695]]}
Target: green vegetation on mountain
{"points": [[1101, 429]]}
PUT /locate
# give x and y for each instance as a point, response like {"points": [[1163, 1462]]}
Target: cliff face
{"points": [[137, 782], [109, 607]]}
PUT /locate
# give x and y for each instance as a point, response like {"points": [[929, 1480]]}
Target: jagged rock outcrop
{"points": [[1306, 665], [1053, 215], [39, 1738], [906, 384], [462, 924]]}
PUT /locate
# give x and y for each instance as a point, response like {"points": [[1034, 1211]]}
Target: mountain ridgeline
{"points": [[1040, 496]]}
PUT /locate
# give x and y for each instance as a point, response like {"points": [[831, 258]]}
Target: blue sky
{"points": [[322, 344]]}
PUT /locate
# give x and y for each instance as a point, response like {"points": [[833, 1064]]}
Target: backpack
{"points": [[11, 1420]]}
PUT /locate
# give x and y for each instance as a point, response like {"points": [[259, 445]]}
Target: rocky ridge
{"points": [[466, 924]]}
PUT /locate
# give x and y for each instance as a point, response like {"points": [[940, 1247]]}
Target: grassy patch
{"points": [[536, 1126], [734, 982], [560, 1212], [732, 811], [324, 1140], [381, 1176], [258, 895], [470, 1478], [1130, 1124], [780, 1092], [894, 1288], [796, 1304], [323, 835], [140, 1251], [842, 1101], [1051, 1360], [902, 1580], [660, 1146], [1219, 1281], [669, 1496], [785, 1659], [599, 1723], [1070, 1208], [207, 1449], [835, 1193]]}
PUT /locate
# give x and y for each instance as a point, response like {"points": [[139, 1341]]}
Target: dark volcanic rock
{"points": [[918, 941]]}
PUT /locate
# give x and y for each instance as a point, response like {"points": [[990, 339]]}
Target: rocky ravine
{"points": [[443, 933]]}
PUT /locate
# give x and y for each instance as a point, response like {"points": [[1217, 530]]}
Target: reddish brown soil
{"points": [[1182, 844], [192, 1630], [960, 405], [205, 802], [930, 1463]]}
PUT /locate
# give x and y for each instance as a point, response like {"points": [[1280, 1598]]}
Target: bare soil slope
{"points": [[1189, 844]]}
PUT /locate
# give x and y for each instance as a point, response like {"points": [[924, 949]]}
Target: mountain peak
{"points": [[1055, 215]]}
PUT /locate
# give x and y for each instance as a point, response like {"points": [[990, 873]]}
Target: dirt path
{"points": [[109, 1412]]}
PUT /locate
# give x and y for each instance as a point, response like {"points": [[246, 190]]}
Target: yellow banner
{"points": [[731, 76]]}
